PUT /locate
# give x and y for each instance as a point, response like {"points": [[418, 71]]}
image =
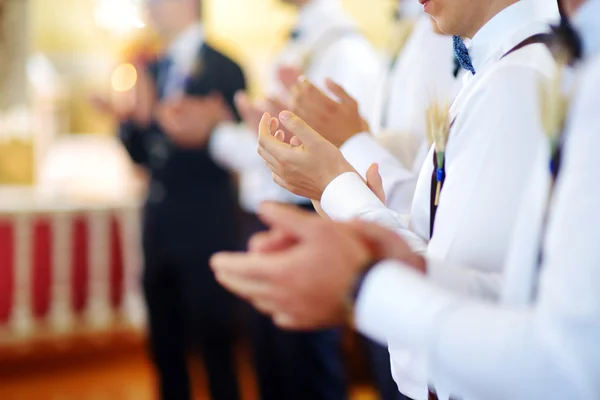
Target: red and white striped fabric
{"points": [[65, 263]]}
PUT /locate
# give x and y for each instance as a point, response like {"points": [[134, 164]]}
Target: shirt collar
{"points": [[319, 16], [184, 49], [587, 23], [504, 31]]}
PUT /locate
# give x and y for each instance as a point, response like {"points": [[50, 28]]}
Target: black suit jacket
{"points": [[191, 203]]}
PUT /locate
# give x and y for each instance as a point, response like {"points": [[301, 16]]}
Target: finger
{"points": [[246, 288], [339, 92], [276, 105], [271, 241], [297, 127], [280, 135], [285, 321], [274, 125], [374, 182], [267, 141], [309, 112], [242, 102], [310, 95], [295, 142], [245, 266], [264, 127], [264, 306], [289, 218], [271, 161], [382, 242]]}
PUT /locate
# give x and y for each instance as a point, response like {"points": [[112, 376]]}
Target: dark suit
{"points": [[190, 213]]}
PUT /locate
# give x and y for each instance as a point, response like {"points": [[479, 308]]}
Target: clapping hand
{"points": [[189, 121], [336, 121], [305, 165]]}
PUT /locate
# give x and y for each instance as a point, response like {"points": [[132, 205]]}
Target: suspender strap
{"points": [[535, 39], [540, 38]]}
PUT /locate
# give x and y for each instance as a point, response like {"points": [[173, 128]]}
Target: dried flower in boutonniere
{"points": [[438, 129]]}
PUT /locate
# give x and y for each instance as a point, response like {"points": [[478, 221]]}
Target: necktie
{"points": [[163, 68], [462, 54]]}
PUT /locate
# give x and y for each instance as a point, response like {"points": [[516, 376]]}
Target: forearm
{"points": [[398, 180], [233, 146], [347, 197], [475, 350]]}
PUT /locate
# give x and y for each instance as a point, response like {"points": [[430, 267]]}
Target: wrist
{"points": [[327, 178], [354, 292], [339, 143], [417, 262]]}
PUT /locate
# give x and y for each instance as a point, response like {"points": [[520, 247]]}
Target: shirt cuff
{"points": [[362, 150], [347, 197], [232, 146], [397, 304]]}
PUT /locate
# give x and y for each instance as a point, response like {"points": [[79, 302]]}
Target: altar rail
{"points": [[67, 266]]}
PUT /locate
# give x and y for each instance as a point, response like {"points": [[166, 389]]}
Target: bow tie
{"points": [[462, 54], [295, 34]]}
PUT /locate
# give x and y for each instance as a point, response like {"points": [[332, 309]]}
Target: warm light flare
{"points": [[124, 77]]}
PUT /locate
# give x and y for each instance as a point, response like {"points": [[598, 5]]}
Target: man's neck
{"points": [[492, 9], [172, 37]]}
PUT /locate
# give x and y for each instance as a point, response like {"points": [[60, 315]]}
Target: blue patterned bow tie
{"points": [[295, 34], [462, 54]]}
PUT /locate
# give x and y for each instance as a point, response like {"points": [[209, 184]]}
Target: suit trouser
{"points": [[294, 365], [381, 371], [188, 312]]}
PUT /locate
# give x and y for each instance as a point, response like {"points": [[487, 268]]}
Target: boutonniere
{"points": [[438, 129], [554, 103]]}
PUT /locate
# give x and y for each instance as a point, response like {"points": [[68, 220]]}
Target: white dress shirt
{"points": [[183, 53], [492, 146], [329, 45], [529, 347], [422, 73]]}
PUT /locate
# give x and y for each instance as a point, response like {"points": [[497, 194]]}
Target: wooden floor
{"points": [[111, 373]]}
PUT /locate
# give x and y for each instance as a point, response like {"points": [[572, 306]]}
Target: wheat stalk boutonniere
{"points": [[554, 104], [438, 129]]}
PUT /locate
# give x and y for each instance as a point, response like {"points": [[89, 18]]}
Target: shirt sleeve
{"points": [[348, 197], [544, 350], [399, 181], [233, 146]]}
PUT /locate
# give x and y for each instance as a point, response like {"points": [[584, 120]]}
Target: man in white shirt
{"points": [[420, 73], [325, 43], [494, 132], [541, 343]]}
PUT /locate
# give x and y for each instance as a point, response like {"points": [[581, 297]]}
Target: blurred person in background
{"points": [[324, 44], [190, 211]]}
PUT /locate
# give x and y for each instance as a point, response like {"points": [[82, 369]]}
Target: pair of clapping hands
{"points": [[300, 141], [187, 120]]}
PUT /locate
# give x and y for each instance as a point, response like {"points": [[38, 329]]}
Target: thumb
{"points": [[339, 92], [285, 217], [241, 100], [297, 127], [374, 182]]}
